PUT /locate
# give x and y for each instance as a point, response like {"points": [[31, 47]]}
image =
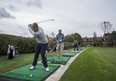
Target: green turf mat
{"points": [[70, 54], [4, 78], [38, 74], [57, 60], [80, 49], [74, 52]]}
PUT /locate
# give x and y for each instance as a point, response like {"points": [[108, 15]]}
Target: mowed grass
{"points": [[94, 64], [19, 61]]}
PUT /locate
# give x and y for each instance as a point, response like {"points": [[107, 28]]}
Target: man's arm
{"points": [[40, 30], [30, 29], [57, 38]]}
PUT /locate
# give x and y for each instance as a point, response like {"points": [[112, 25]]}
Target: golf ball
{"points": [[30, 75]]}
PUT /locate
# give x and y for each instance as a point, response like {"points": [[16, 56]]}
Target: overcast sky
{"points": [[81, 16]]}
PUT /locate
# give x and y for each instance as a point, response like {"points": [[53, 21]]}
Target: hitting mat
{"points": [[24, 74], [56, 60], [69, 54], [74, 52]]}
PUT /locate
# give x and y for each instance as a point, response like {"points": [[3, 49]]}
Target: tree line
{"points": [[108, 39], [22, 44], [27, 44]]}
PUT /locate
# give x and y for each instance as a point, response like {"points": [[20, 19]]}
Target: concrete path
{"points": [[59, 72]]}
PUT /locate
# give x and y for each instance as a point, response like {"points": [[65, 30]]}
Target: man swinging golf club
{"points": [[42, 44]]}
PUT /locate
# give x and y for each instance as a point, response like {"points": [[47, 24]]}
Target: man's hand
{"points": [[60, 41]]}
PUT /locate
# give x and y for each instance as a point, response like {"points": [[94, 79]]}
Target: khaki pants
{"points": [[60, 47]]}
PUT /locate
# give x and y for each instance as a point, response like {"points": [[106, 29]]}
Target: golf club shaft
{"points": [[45, 20]]}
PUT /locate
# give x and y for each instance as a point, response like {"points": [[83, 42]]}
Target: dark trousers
{"points": [[10, 56], [75, 47], [40, 49]]}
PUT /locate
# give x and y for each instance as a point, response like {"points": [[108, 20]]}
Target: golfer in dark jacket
{"points": [[75, 44]]}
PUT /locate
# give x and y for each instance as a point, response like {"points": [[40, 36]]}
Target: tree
{"points": [[24, 44], [70, 38], [52, 34], [52, 40], [106, 25], [95, 38], [113, 37]]}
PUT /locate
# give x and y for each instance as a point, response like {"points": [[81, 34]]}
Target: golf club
{"points": [[45, 20]]}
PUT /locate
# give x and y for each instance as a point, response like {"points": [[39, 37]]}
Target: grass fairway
{"points": [[19, 61], [94, 64]]}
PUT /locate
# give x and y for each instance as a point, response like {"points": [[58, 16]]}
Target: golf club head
{"points": [[52, 19]]}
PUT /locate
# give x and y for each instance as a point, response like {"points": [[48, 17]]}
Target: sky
{"points": [[72, 16]]}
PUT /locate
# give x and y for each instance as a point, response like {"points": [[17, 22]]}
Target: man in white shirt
{"points": [[42, 44]]}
